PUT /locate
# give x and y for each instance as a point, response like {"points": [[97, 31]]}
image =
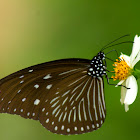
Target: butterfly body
{"points": [[66, 96], [97, 68]]}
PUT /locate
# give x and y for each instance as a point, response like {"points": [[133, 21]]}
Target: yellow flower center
{"points": [[122, 70]]}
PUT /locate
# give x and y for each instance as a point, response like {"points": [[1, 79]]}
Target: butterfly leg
{"points": [[109, 59], [110, 52], [115, 84], [110, 71], [106, 67]]}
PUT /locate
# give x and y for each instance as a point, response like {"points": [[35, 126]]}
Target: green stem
{"points": [[136, 73]]}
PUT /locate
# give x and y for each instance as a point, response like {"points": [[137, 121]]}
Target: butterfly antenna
{"points": [[118, 44], [114, 41]]}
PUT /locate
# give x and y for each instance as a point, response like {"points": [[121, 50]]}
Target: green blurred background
{"points": [[36, 31]]}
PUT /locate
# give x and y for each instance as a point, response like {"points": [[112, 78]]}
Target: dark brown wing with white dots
{"points": [[59, 94], [74, 106]]}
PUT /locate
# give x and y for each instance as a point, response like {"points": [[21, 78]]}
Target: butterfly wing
{"points": [[19, 89], [78, 108], [59, 94]]}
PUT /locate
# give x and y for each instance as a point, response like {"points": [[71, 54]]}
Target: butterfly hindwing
{"points": [[75, 109]]}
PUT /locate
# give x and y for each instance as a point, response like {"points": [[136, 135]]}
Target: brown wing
{"points": [[74, 106], [55, 93]]}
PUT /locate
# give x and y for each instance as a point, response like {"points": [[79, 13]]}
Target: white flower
{"points": [[124, 70]]}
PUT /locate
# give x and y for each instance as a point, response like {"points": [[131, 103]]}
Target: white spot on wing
{"points": [[88, 127], [97, 125], [43, 109], [36, 86], [82, 128], [93, 126], [21, 76], [9, 102], [19, 91], [24, 99], [36, 102], [30, 70], [21, 82], [101, 122], [56, 128], [47, 120], [28, 113], [48, 86], [62, 128], [47, 76], [75, 128], [68, 130]]}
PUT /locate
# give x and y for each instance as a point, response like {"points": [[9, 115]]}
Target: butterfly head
{"points": [[101, 55], [97, 67]]}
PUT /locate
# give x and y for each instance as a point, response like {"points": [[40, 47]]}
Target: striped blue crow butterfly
{"points": [[66, 96]]}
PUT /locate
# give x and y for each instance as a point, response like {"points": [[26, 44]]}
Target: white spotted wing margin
{"points": [[75, 105]]}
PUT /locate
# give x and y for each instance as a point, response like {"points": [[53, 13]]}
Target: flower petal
{"points": [[120, 83], [136, 60], [132, 92], [136, 48], [126, 58], [123, 93], [126, 106]]}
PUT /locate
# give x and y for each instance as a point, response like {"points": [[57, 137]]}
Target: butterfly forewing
{"points": [[59, 94], [25, 82]]}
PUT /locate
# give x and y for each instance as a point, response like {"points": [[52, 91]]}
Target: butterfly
{"points": [[66, 96]]}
